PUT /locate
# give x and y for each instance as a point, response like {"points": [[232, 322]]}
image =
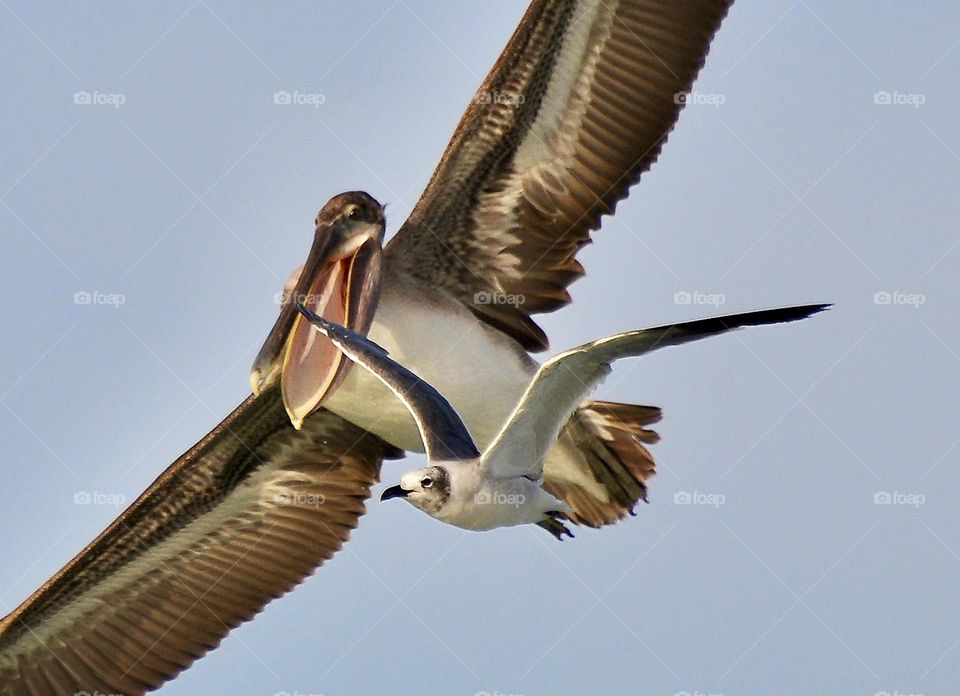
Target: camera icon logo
{"points": [[882, 298]]}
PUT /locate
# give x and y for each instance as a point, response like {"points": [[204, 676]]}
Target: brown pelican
{"points": [[503, 486], [592, 89]]}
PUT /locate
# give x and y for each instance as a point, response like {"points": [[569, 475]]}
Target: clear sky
{"points": [[182, 195]]}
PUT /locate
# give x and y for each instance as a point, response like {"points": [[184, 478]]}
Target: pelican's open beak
{"points": [[341, 282], [394, 492]]}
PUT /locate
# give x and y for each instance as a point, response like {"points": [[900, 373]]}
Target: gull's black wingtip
{"points": [[308, 313], [325, 327], [716, 325], [337, 332], [816, 308], [800, 311], [777, 315]]}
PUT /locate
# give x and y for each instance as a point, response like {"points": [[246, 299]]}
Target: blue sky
{"points": [[820, 163]]}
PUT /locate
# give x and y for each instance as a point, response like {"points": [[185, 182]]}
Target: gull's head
{"points": [[427, 489], [340, 281]]}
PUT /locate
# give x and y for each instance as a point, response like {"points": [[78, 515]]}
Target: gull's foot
{"points": [[553, 525]]}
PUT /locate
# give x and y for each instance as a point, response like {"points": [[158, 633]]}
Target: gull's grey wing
{"points": [[561, 384], [445, 437], [576, 108], [239, 519]]}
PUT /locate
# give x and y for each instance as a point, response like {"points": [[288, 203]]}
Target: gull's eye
{"points": [[353, 213], [426, 482]]}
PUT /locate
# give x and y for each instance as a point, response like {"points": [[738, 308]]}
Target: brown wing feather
{"points": [[241, 518], [576, 108]]}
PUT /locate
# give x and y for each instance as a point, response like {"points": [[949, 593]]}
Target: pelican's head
{"points": [[427, 489], [340, 281]]}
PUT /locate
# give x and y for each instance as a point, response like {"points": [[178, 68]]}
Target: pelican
{"points": [[575, 109], [502, 487]]}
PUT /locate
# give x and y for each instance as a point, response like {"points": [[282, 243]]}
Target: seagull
{"points": [[576, 108], [502, 487]]}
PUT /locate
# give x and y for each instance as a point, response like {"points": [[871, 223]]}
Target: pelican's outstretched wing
{"points": [[561, 384], [576, 108], [445, 437], [241, 518]]}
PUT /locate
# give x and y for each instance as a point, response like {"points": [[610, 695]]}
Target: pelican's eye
{"points": [[426, 482], [353, 212]]}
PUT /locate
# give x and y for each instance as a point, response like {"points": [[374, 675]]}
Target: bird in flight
{"points": [[502, 486], [578, 105]]}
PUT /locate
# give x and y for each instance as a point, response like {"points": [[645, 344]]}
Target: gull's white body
{"points": [[481, 503]]}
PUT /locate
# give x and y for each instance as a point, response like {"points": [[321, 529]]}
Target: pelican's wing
{"points": [[445, 437], [241, 518], [561, 384], [576, 108]]}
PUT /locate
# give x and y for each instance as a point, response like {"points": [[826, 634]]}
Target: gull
{"points": [[503, 485]]}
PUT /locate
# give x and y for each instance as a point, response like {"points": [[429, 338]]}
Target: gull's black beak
{"points": [[341, 282], [394, 492]]}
